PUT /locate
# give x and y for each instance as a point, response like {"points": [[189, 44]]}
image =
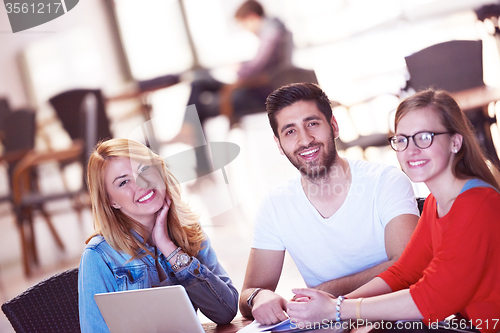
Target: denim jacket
{"points": [[103, 269]]}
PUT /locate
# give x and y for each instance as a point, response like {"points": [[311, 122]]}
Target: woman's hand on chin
{"points": [[159, 234]]}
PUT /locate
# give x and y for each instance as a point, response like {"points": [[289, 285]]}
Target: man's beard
{"points": [[320, 168]]}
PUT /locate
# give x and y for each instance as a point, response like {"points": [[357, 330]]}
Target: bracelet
{"points": [[252, 296], [358, 308], [173, 253], [337, 308]]}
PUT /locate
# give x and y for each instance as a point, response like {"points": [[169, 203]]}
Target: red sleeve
{"points": [[450, 281], [416, 256]]}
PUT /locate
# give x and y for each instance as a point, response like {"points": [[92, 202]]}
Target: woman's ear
{"points": [[456, 143], [115, 205]]}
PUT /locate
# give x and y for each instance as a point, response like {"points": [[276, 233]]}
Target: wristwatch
{"points": [[252, 296], [183, 259]]}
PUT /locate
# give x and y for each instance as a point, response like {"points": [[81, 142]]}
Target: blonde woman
{"points": [[145, 236]]}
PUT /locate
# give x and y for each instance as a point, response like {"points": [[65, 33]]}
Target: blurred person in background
{"points": [[212, 97]]}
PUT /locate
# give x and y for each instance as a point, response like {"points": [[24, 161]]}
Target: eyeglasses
{"points": [[422, 140]]}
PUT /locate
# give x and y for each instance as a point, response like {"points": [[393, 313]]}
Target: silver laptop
{"points": [[163, 310]]}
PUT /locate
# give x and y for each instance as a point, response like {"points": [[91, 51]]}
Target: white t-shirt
{"points": [[349, 241]]}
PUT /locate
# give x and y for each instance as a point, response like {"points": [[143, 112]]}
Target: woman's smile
{"points": [[135, 189], [147, 197]]}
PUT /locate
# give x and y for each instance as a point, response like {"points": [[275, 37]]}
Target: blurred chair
{"points": [[77, 107], [18, 138], [49, 306], [19, 134], [292, 74], [18, 144], [455, 66], [4, 112], [81, 112], [83, 115], [282, 77]]}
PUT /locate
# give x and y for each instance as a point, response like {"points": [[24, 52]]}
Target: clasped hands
{"points": [[307, 306]]}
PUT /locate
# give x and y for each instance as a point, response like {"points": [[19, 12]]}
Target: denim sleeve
{"points": [[94, 277], [209, 286]]}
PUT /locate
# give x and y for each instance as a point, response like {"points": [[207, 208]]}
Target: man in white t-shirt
{"points": [[342, 221]]}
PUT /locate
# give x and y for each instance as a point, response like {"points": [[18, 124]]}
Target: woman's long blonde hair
{"points": [[115, 226]]}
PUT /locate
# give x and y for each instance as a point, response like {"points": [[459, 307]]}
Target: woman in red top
{"points": [[451, 264]]}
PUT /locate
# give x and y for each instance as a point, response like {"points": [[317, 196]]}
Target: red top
{"points": [[452, 264]]}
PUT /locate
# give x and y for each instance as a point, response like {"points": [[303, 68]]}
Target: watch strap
{"points": [[174, 252], [252, 296]]}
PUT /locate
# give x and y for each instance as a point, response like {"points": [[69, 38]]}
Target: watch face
{"points": [[183, 259]]}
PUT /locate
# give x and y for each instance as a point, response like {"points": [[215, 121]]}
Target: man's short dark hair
{"points": [[249, 7], [292, 93]]}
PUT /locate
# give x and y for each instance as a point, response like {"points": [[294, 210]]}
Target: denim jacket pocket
{"points": [[130, 278]]}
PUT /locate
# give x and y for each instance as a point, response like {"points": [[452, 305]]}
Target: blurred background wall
{"points": [[341, 39]]}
